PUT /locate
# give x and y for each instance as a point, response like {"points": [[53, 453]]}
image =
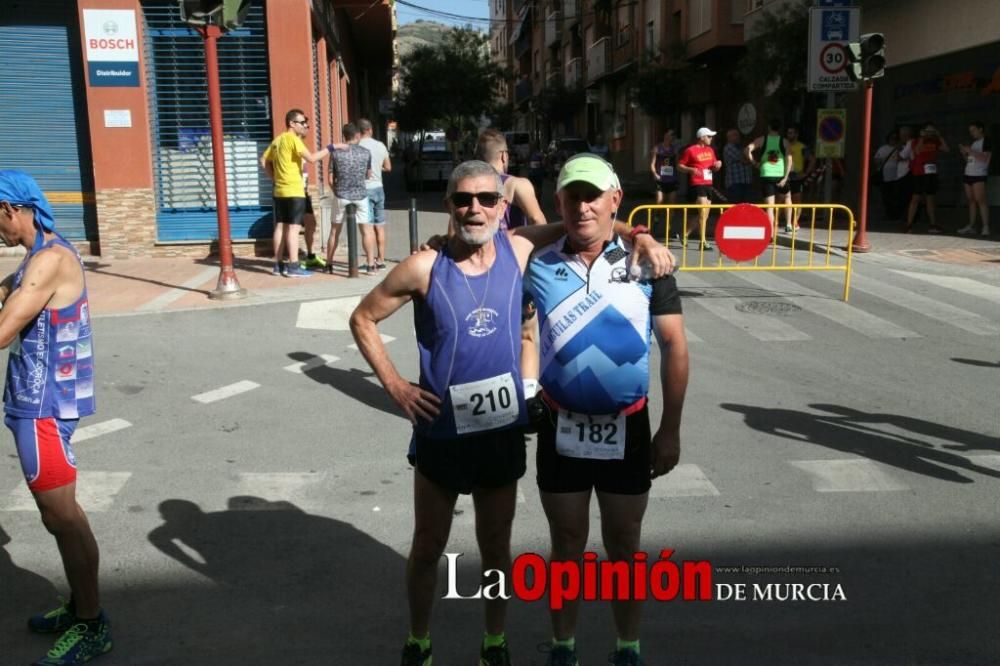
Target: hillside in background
{"points": [[419, 33]]}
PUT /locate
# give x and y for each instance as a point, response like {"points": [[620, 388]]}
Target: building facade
{"points": [[125, 155]]}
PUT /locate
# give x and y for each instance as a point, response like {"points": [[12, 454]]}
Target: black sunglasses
{"points": [[304, 121], [486, 199]]}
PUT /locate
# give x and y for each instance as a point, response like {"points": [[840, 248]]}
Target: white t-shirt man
{"points": [[379, 155]]}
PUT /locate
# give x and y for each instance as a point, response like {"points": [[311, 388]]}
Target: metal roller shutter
{"points": [[317, 116], [178, 100], [43, 112]]}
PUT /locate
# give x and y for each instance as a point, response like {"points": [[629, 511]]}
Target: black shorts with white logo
{"points": [[562, 474]]}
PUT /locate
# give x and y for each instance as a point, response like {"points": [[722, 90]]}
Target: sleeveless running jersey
{"points": [[512, 217], [665, 158], [772, 162], [469, 330], [594, 327], [50, 369], [797, 150]]}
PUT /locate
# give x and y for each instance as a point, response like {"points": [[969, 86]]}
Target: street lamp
{"points": [[212, 19]]}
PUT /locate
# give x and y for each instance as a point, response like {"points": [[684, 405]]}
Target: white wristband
{"points": [[530, 388]]}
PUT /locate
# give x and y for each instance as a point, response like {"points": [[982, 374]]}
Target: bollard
{"points": [[414, 237], [351, 212]]}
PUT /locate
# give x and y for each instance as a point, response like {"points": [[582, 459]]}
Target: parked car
{"points": [[519, 145], [562, 149], [433, 166]]}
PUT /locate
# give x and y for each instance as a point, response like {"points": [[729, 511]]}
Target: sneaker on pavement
{"points": [[706, 246], [626, 657], [966, 230], [59, 619], [279, 268], [79, 644], [560, 655], [788, 228], [498, 655], [414, 656], [314, 262], [296, 271]]}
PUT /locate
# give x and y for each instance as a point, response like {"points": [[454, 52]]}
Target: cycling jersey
{"points": [[594, 326]]}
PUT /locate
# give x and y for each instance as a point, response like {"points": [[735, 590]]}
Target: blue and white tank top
{"points": [[469, 339], [50, 369]]}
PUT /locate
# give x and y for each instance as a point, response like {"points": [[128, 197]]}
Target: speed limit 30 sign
{"points": [[830, 30]]}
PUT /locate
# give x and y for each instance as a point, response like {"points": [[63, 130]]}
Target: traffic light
{"points": [[867, 57], [227, 14]]}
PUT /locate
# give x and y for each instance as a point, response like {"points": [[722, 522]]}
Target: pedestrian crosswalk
{"points": [[101, 491]]}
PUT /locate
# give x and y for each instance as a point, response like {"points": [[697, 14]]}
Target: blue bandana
{"points": [[20, 189]]}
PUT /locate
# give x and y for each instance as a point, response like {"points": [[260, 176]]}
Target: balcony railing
{"points": [[554, 78], [522, 90], [574, 72], [553, 28], [598, 59], [572, 13]]}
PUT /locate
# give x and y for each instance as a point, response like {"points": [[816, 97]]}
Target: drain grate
{"points": [[768, 308]]}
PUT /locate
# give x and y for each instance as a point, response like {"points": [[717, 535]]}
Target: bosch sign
{"points": [[112, 47]]}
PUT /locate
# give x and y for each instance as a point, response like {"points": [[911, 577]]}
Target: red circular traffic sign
{"points": [[833, 58], [743, 232]]}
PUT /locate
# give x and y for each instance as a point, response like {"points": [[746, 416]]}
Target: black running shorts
{"points": [[488, 460], [289, 210]]}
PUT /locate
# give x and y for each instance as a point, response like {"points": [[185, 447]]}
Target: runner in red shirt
{"points": [[699, 162], [923, 155]]}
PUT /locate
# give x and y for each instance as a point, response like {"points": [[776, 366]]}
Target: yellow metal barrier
{"points": [[809, 220]]}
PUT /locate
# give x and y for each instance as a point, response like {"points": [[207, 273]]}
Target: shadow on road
{"points": [[853, 431], [977, 362], [24, 592], [353, 383]]}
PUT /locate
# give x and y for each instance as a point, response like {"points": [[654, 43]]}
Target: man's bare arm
{"points": [[41, 279], [673, 381], [524, 198]]}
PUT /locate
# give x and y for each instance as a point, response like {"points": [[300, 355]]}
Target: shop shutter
{"points": [[182, 144], [317, 118], [43, 110]]}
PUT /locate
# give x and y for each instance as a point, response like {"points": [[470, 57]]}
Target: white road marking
{"points": [[835, 310], [280, 489], [763, 327], [929, 307], [225, 392], [95, 491], [856, 475], [98, 429], [168, 297], [683, 481], [333, 314], [312, 364], [386, 339], [989, 461], [961, 284]]}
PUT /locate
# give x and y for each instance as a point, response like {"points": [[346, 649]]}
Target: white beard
{"points": [[478, 238]]}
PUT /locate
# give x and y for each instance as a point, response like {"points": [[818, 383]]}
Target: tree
{"points": [[776, 58], [447, 84], [661, 86]]}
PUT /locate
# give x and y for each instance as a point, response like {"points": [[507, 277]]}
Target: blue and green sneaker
{"points": [[79, 644], [414, 656], [59, 619]]}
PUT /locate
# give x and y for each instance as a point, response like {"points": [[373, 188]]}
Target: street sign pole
{"points": [[861, 243], [828, 172], [228, 287]]}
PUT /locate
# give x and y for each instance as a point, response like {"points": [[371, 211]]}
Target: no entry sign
{"points": [[743, 232]]}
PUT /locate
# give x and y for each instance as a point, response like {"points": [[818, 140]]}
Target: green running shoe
{"points": [[314, 262], [79, 644], [54, 621], [626, 657], [414, 656]]}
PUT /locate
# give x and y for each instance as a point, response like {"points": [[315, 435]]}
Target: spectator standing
{"points": [[977, 168], [700, 162], [739, 172], [923, 155], [802, 163], [886, 170], [904, 175], [374, 188], [349, 169]]}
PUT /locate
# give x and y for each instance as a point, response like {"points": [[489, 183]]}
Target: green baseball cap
{"points": [[588, 168]]}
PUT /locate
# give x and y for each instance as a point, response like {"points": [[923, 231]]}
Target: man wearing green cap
{"points": [[595, 320]]}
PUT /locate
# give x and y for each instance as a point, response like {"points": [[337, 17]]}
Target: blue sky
{"points": [[476, 8]]}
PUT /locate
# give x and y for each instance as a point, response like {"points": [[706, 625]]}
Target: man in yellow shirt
{"points": [[283, 163]]}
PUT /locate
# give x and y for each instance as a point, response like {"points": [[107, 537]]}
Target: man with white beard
{"points": [[468, 408]]}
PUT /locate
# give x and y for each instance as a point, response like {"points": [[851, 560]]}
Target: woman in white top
{"points": [[977, 168], [887, 163]]}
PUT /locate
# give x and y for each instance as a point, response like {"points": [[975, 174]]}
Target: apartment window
{"points": [[624, 23], [699, 17], [651, 37]]}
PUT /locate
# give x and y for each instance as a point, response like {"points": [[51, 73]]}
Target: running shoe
{"points": [[54, 621], [296, 271], [414, 656], [314, 262], [560, 655], [788, 228], [967, 230], [79, 644], [934, 229], [379, 264], [498, 655], [279, 268], [626, 657], [706, 246]]}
